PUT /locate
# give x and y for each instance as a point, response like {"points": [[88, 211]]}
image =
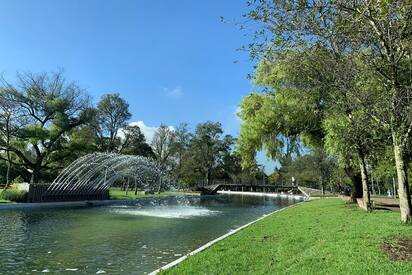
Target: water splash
{"points": [[97, 172], [170, 212]]}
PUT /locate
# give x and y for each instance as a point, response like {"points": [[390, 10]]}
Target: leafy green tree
{"points": [[378, 32], [205, 148], [209, 155], [180, 147], [162, 145], [134, 143], [231, 163], [300, 95], [315, 170], [7, 128], [112, 115], [48, 108]]}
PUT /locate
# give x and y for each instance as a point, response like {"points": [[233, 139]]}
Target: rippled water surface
{"points": [[133, 238]]}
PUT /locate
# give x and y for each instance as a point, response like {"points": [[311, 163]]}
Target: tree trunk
{"points": [[160, 186], [403, 185], [379, 188], [365, 183], [8, 152], [322, 185], [35, 176], [8, 169], [356, 180], [127, 187], [208, 177]]}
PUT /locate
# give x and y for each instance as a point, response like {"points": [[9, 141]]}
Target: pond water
{"points": [[130, 238]]}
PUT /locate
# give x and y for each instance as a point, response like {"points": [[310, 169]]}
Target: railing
{"points": [[38, 193], [212, 189]]}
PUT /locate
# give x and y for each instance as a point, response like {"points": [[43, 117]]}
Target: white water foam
{"points": [[169, 212]]}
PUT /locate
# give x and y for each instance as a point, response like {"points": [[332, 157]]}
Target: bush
{"points": [[18, 179], [14, 195]]}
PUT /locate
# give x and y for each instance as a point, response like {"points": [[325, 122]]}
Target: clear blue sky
{"points": [[173, 61]]}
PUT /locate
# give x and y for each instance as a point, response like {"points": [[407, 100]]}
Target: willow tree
{"points": [[304, 90], [379, 32]]}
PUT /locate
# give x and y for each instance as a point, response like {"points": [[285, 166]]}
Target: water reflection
{"points": [[135, 237]]}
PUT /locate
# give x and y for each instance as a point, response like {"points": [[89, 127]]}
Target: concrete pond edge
{"points": [[45, 205]]}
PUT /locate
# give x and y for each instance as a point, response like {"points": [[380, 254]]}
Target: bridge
{"points": [[214, 188]]}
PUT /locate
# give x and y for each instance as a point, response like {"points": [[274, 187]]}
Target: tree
{"points": [[47, 109], [112, 115], [7, 127], [162, 145], [315, 170], [231, 161], [378, 32], [300, 95], [181, 144], [206, 147], [134, 142], [383, 35]]}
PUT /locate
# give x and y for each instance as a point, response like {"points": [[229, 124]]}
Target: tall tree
{"points": [[180, 146], [112, 115], [134, 142], [8, 110], [206, 147], [379, 32], [47, 109], [162, 146]]}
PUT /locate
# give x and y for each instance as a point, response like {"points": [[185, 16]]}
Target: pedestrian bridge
{"points": [[266, 188]]}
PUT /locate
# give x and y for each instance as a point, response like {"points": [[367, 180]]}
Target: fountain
{"points": [[90, 177]]}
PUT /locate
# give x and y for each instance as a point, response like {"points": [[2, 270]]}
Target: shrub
{"points": [[19, 179], [14, 195]]}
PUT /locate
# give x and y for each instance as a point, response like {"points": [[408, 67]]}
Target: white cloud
{"points": [[174, 92], [236, 112], [148, 131]]}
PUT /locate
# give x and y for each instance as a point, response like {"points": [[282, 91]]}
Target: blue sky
{"points": [[173, 61]]}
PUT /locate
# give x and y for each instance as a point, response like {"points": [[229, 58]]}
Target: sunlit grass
{"points": [[117, 194], [324, 236], [4, 201], [1, 199]]}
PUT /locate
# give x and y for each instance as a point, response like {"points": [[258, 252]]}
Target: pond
{"points": [[134, 237]]}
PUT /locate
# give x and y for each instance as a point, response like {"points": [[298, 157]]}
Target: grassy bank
{"points": [[4, 201], [117, 194], [12, 195], [322, 236]]}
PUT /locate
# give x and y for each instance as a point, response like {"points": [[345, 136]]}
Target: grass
{"points": [[4, 201], [117, 194], [12, 195], [1, 199], [323, 236]]}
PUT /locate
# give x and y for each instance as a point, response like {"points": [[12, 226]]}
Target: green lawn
{"points": [[323, 236], [4, 201], [117, 194]]}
